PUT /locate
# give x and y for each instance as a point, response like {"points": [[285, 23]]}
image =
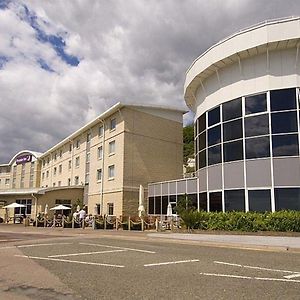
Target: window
{"points": [[164, 205], [59, 169], [111, 172], [43, 175], [202, 141], [70, 147], [214, 135], [285, 145], [99, 174], [54, 184], [151, 206], [70, 164], [232, 109], [101, 131], [88, 137], [69, 181], [23, 210], [47, 174], [76, 180], [77, 161], [48, 160], [110, 209], [258, 147], [157, 205], [113, 123], [59, 183], [100, 152], [98, 208], [203, 201], [202, 159], [255, 104], [54, 171], [88, 157], [44, 163], [284, 122], [77, 144], [233, 151], [234, 200], [283, 99], [257, 125], [214, 116], [60, 153], [232, 130], [112, 146], [259, 200], [214, 155], [202, 123], [7, 181], [287, 198], [215, 201]]}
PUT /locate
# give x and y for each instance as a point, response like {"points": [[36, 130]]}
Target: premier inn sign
{"points": [[23, 159]]}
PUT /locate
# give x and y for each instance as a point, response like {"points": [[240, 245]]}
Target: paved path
{"points": [[291, 243]]}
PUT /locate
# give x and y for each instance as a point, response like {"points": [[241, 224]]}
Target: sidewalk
{"points": [[239, 241]]}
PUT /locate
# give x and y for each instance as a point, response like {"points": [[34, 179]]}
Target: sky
{"points": [[63, 62]]}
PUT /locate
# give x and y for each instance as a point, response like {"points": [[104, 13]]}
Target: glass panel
{"points": [[255, 104], [202, 123], [284, 122], [202, 159], [232, 109], [234, 200], [287, 199], [194, 200], [259, 200], [172, 198], [233, 151], [203, 201], [157, 203], [285, 145], [164, 204], [283, 99], [214, 135], [258, 147], [215, 201], [214, 116], [214, 155], [232, 130], [202, 140], [257, 125]]}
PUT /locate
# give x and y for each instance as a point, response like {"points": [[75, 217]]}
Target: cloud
{"points": [[64, 62]]}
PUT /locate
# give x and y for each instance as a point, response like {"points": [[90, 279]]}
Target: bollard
{"points": [[117, 223], [83, 224], [129, 223], [172, 223], [63, 222], [104, 219], [54, 221], [73, 225], [156, 224], [142, 220], [94, 223], [45, 220]]}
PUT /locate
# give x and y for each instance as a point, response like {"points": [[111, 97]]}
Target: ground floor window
{"points": [[287, 198], [259, 200], [23, 210], [110, 209], [215, 201]]}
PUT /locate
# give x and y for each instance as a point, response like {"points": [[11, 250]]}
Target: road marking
{"points": [[171, 262], [33, 245], [292, 276], [249, 278], [253, 267], [124, 248], [71, 261], [87, 253]]}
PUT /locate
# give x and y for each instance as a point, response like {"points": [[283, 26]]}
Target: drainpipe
{"points": [[102, 167], [36, 202]]}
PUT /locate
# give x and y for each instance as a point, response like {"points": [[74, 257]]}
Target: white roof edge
{"points": [[34, 153], [104, 115]]}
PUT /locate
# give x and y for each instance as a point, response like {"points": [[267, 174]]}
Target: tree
{"points": [[188, 143]]}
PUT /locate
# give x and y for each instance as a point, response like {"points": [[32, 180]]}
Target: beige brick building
{"points": [[103, 163]]}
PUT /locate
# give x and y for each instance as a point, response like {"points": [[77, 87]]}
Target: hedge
{"points": [[242, 221]]}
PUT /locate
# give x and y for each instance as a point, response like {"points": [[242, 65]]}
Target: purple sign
{"points": [[23, 159]]}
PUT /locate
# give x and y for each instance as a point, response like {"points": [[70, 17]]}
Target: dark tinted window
{"points": [[255, 104], [233, 151], [234, 200], [193, 199], [232, 130], [151, 205], [214, 135], [203, 201], [214, 116], [202, 159], [259, 200], [201, 123], [284, 122], [164, 205], [202, 140], [232, 109], [172, 198], [214, 155], [283, 99], [157, 203], [287, 199], [285, 145], [215, 201], [257, 125], [258, 147]]}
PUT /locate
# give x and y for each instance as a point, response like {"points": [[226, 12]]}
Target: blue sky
{"points": [[62, 63]]}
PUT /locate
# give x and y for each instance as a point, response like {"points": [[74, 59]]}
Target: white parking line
{"points": [[71, 261], [87, 253], [172, 262], [33, 245], [250, 278], [253, 267], [124, 248], [292, 276]]}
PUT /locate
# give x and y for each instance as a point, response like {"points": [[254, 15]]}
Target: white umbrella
{"points": [[141, 208], [46, 209], [60, 207], [78, 208], [14, 205], [169, 210]]}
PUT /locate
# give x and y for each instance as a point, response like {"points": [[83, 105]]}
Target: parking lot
{"points": [[109, 268]]}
